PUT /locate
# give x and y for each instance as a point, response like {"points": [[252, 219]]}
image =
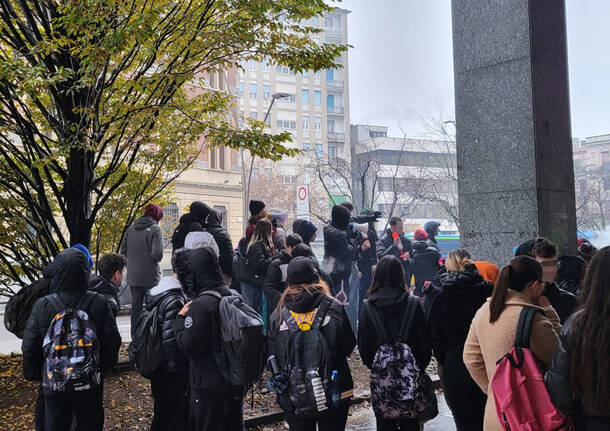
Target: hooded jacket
{"points": [[275, 279], [143, 247], [424, 263], [223, 239], [169, 298], [71, 282], [558, 383], [188, 223], [99, 284], [335, 328], [488, 342], [386, 247], [368, 258], [562, 301], [339, 252], [391, 303], [198, 333], [305, 228], [462, 294]]}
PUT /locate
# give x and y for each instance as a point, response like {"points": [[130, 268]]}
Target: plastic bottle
{"points": [[335, 390]]}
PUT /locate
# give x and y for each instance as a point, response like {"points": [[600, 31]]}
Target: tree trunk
{"points": [[78, 196]]}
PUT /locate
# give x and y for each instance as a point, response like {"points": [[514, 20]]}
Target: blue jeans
{"points": [[253, 296]]}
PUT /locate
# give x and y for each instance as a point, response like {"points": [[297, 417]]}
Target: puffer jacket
{"points": [[558, 383], [198, 333], [391, 304], [562, 301], [462, 294], [169, 297], [336, 330], [143, 247], [223, 240], [424, 264], [71, 283], [339, 251], [99, 284], [275, 279], [258, 258], [386, 247]]}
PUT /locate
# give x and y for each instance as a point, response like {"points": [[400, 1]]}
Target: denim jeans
{"points": [[253, 296]]}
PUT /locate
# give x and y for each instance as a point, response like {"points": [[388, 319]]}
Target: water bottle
{"points": [[318, 391], [335, 390]]}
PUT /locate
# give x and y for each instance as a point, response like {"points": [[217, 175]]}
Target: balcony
{"points": [[337, 110], [334, 32], [335, 85], [335, 136]]}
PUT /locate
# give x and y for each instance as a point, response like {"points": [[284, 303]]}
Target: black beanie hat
{"points": [[200, 210], [256, 207], [301, 271]]}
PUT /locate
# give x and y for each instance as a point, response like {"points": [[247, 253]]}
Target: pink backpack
{"points": [[522, 400]]}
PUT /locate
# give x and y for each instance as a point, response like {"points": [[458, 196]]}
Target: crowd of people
{"points": [[412, 304]]}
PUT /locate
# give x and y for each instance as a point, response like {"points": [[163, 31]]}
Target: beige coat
{"points": [[487, 343]]}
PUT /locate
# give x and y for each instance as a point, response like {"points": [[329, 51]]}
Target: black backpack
{"points": [[20, 305], [146, 349], [71, 349], [307, 370], [241, 358]]}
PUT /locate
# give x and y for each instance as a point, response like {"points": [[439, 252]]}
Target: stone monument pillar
{"points": [[514, 150]]}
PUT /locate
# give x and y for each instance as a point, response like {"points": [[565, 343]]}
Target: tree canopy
{"points": [[104, 102]]}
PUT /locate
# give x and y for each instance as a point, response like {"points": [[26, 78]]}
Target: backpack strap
{"points": [[407, 321], [85, 300], [213, 293], [524, 327], [377, 322], [56, 302], [289, 319], [321, 313]]}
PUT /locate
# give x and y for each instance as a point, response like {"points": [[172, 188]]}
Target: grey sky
{"points": [[401, 66]]}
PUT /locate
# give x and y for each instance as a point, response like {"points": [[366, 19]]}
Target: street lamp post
{"points": [[274, 97]]}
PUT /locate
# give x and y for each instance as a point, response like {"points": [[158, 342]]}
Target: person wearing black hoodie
{"points": [[192, 221], [215, 404], [570, 273], [390, 298], [275, 278], [463, 292], [306, 229], [424, 261], [223, 240], [339, 252], [85, 407], [110, 268], [169, 383], [303, 298]]}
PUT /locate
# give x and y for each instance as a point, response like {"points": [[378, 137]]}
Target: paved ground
{"points": [[9, 343], [363, 419]]}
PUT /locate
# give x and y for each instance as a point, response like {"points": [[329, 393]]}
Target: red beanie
{"points": [[154, 211], [420, 235]]}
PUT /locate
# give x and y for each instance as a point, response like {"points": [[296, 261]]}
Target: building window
{"points": [[241, 89], [283, 70], [330, 101], [221, 158], [319, 151], [213, 158], [330, 75], [253, 90], [605, 157], [254, 115], [288, 99], [316, 74], [317, 97], [332, 152], [266, 92], [330, 124], [318, 123], [306, 146], [265, 65], [171, 215], [328, 22], [252, 65], [378, 134], [222, 211], [286, 124], [304, 74], [305, 122], [305, 97]]}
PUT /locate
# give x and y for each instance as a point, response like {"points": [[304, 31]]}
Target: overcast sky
{"points": [[401, 66]]}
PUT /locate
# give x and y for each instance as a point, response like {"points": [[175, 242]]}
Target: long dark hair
{"points": [[388, 272], [590, 340], [262, 233], [517, 275]]}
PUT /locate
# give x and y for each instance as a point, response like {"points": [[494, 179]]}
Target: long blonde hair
{"points": [[458, 261], [262, 233], [319, 287]]}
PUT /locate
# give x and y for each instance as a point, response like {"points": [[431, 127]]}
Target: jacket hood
{"points": [[200, 210], [204, 271], [462, 281], [420, 245], [340, 217], [72, 272], [571, 268], [306, 229], [166, 285], [304, 301], [214, 219], [189, 218], [101, 285], [144, 222], [388, 296]]}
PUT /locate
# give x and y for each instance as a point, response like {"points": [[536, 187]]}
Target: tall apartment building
{"points": [[316, 112], [415, 179]]}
